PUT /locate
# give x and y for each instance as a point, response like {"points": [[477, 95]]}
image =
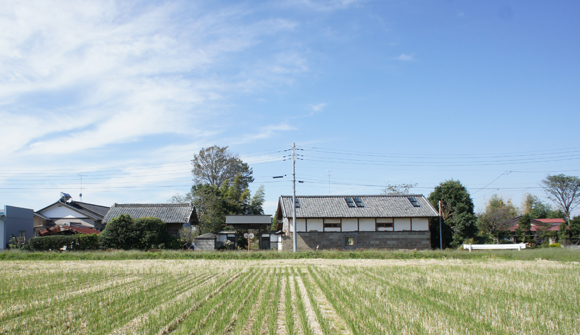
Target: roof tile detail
{"points": [[168, 213], [390, 206]]}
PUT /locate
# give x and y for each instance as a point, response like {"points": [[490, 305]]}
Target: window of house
{"points": [[384, 223], [414, 202], [349, 241], [332, 223]]}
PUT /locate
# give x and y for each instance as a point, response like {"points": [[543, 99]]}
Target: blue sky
{"points": [[373, 92]]}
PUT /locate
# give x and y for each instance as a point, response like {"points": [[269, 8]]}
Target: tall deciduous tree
{"points": [[397, 188], [215, 165], [564, 191], [534, 208], [494, 220], [221, 188], [459, 221]]}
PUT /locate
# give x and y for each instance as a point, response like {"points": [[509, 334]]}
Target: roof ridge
{"points": [[88, 203], [185, 204], [355, 195]]}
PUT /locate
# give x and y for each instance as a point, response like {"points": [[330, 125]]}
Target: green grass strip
{"points": [[555, 254]]}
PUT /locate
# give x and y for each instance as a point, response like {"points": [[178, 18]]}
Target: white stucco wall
{"points": [[402, 224], [315, 224], [367, 224], [57, 211], [301, 225], [420, 224], [349, 224]]}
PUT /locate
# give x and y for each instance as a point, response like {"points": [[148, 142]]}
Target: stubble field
{"points": [[290, 297]]}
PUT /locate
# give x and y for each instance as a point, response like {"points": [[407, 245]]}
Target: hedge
{"points": [[72, 242]]}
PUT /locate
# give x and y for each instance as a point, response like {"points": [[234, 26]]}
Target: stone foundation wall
{"points": [[204, 244], [419, 240]]}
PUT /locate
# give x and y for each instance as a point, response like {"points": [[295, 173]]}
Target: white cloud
{"points": [[116, 73], [324, 5], [264, 133], [406, 58], [318, 107]]}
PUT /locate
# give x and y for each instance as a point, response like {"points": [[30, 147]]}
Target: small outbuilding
{"points": [[262, 223], [175, 216]]}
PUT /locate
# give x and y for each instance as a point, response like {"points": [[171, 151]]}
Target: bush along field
{"points": [[306, 296]]}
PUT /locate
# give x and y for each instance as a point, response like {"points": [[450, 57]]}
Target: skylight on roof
{"points": [[414, 202], [297, 203], [349, 202], [358, 202]]}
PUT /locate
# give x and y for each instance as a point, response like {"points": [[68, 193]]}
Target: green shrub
{"points": [[143, 233], [555, 245], [72, 242]]}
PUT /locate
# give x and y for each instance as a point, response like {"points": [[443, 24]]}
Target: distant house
{"points": [[175, 216], [71, 214], [353, 222], [545, 225], [17, 222]]}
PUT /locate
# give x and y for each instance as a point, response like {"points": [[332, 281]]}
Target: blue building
{"points": [[17, 222]]}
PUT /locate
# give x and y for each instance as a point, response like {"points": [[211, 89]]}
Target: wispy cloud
{"points": [[318, 107], [84, 75], [406, 58], [324, 5]]}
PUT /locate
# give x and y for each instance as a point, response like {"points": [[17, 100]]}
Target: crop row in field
{"points": [[289, 297]]}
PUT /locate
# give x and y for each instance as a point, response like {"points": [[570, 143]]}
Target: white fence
{"points": [[494, 246]]}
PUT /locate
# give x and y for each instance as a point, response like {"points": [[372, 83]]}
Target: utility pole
{"points": [[294, 225], [328, 171], [440, 232]]}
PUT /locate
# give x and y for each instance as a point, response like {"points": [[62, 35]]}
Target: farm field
{"points": [[309, 296]]}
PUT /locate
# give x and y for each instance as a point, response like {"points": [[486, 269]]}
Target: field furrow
{"points": [[290, 297]]}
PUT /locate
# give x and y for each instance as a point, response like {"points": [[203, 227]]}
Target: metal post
{"points": [[440, 231], [294, 225]]}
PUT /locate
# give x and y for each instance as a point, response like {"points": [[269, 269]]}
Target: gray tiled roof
{"points": [[93, 211], [98, 209], [168, 213], [390, 206]]}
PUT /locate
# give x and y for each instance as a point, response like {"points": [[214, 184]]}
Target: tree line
{"points": [[460, 223]]}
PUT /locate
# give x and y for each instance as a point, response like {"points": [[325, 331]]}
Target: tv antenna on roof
{"points": [[81, 194]]}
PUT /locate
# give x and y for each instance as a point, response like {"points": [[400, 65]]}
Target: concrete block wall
{"points": [[420, 240]]}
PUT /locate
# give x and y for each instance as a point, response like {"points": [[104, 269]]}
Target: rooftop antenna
{"points": [[81, 194]]}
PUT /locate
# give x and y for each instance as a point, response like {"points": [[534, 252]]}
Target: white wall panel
{"points": [[366, 224], [315, 224], [61, 212], [402, 224], [349, 224], [301, 225], [420, 224]]}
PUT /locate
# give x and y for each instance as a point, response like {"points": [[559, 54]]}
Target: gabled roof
{"points": [[95, 212], [390, 206], [45, 218], [168, 213]]}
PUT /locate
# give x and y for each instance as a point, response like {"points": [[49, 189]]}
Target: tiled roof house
{"points": [[174, 215], [69, 214], [353, 222]]}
